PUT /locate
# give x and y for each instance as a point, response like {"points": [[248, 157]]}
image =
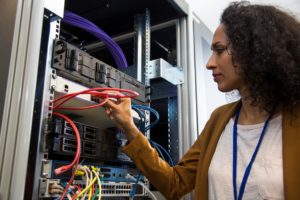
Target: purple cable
{"points": [[116, 51], [90, 27], [113, 49], [77, 21]]}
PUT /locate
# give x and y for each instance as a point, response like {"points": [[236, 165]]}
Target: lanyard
{"points": [[234, 160]]}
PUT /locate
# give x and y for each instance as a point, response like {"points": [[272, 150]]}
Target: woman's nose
{"points": [[211, 62]]}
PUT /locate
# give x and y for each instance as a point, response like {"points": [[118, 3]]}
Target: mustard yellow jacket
{"points": [[192, 170]]}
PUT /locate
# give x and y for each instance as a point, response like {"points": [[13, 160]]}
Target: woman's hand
{"points": [[120, 112]]}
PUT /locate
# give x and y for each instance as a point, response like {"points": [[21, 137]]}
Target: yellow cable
{"points": [[96, 171], [91, 177], [90, 193], [84, 169], [85, 189]]}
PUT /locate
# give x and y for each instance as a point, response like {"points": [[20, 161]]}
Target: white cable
{"points": [[69, 197], [144, 186], [87, 180], [91, 178], [147, 189]]}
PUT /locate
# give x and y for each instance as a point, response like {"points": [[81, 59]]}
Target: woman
{"points": [[249, 149]]}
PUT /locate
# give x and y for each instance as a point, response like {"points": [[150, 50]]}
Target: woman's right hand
{"points": [[120, 112]]}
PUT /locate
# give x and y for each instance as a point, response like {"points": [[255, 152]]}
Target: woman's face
{"points": [[225, 72]]}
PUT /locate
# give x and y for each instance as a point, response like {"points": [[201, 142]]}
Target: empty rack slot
{"points": [[68, 149], [69, 142]]}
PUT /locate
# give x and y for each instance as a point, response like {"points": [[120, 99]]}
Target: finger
{"points": [[124, 100], [112, 93], [107, 110], [111, 104]]}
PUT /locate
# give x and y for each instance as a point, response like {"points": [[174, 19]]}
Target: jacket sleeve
{"points": [[172, 182]]}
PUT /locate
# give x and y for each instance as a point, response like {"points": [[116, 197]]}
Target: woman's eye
{"points": [[219, 50]]}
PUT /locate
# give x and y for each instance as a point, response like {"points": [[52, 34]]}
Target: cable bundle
{"points": [[102, 93], [140, 110], [96, 92], [152, 111], [77, 21], [76, 158], [91, 176]]}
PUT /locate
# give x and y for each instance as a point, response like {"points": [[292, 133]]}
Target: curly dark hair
{"points": [[266, 43]]}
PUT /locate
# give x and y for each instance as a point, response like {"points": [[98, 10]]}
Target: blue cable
{"points": [[157, 149], [171, 162], [157, 146], [133, 191], [151, 110], [142, 116]]}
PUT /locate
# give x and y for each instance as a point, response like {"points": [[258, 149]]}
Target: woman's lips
{"points": [[217, 77]]}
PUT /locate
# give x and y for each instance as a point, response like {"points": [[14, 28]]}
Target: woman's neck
{"points": [[254, 114], [251, 114]]}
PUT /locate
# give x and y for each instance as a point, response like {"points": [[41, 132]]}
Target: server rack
{"points": [[172, 31]]}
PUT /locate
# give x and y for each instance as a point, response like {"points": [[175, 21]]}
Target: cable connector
{"points": [[61, 170], [79, 172]]}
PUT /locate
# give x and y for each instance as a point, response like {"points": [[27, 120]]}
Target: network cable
{"points": [[116, 51], [139, 109], [76, 158], [143, 185], [133, 191], [152, 111], [165, 151], [158, 147], [57, 105]]}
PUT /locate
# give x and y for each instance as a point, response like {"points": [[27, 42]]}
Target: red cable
{"points": [[83, 107], [64, 168], [70, 181], [67, 97], [94, 91], [76, 158], [93, 189]]}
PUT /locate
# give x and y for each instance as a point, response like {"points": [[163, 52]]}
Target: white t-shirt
{"points": [[266, 176]]}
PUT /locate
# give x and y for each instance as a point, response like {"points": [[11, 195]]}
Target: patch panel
{"points": [[108, 189], [110, 173], [115, 180]]}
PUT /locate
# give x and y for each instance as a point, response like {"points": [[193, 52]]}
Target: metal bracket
{"points": [[160, 68], [53, 81]]}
